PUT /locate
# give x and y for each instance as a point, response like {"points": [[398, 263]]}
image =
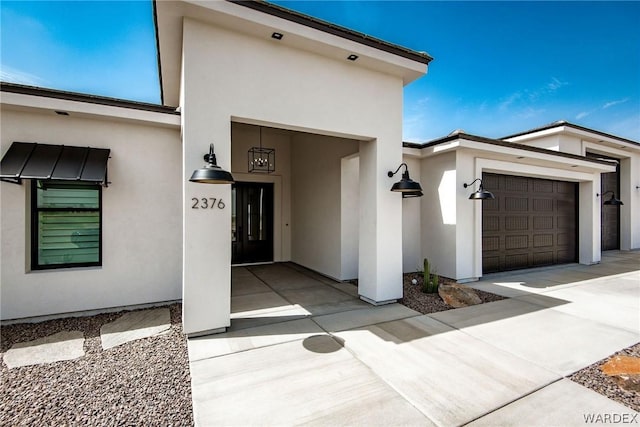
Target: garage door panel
{"points": [[516, 242], [516, 184], [542, 240], [543, 205], [531, 222], [516, 223], [542, 186], [491, 223], [543, 222], [516, 204], [543, 258], [515, 261]]}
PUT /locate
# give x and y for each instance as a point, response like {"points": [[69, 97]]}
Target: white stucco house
{"points": [[97, 209]]}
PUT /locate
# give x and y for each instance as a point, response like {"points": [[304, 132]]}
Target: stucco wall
{"points": [[141, 239], [316, 201], [438, 212], [411, 220], [228, 76], [629, 159], [350, 217]]}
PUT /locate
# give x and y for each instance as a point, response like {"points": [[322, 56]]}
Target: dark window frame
{"points": [[35, 210]]}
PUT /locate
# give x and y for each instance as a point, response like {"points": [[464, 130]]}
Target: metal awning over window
{"points": [[28, 160]]}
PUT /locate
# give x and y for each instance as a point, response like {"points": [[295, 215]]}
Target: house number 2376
{"points": [[206, 203]]}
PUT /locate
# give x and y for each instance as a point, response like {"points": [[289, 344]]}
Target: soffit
{"points": [[169, 26]]}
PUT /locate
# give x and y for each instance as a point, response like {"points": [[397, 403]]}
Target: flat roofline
{"points": [[327, 27], [564, 123], [501, 143], [81, 97]]}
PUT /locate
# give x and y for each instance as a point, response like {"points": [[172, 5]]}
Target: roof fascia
{"points": [[461, 140], [79, 107], [573, 129], [337, 30]]}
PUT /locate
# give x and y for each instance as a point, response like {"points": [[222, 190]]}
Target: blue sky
{"points": [[499, 68]]}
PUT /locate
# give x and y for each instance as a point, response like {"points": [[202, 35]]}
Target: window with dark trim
{"points": [[66, 227]]}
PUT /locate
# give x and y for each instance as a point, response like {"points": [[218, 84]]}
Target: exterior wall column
{"points": [[206, 272], [380, 251], [589, 221]]}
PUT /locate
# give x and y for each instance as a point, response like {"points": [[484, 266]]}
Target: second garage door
{"points": [[531, 222]]}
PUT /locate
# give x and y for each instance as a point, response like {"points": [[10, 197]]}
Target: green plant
{"points": [[430, 281]]}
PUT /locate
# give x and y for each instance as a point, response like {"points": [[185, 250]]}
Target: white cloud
{"points": [[583, 114], [11, 75], [508, 101], [616, 102], [555, 84]]}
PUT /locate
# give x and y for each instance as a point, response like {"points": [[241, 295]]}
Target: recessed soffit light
{"points": [[62, 113], [352, 57], [277, 36]]}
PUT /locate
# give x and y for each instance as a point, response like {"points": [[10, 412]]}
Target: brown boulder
{"points": [[457, 295], [622, 365], [628, 382]]}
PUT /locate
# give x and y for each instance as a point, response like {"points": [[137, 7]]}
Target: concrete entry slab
{"points": [[65, 345], [448, 375], [558, 341], [291, 383], [563, 403], [135, 325]]}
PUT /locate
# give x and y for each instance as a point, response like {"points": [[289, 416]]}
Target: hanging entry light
{"points": [[481, 194], [211, 173], [613, 201], [261, 160], [406, 186]]}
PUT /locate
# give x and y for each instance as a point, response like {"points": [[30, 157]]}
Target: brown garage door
{"points": [[531, 222]]}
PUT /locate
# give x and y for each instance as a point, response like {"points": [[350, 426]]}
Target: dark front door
{"points": [[251, 222]]}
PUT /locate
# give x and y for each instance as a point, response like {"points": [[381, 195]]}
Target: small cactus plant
{"points": [[430, 281]]}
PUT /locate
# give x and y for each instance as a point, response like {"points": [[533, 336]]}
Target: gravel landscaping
{"points": [[415, 299], [144, 382], [593, 378]]}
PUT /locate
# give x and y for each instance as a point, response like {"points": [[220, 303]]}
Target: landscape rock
{"points": [[628, 382], [457, 295], [66, 345], [622, 365]]}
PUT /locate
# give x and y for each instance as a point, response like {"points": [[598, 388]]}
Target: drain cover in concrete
{"points": [[66, 345], [134, 326]]}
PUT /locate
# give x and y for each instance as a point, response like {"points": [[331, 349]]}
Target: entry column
{"points": [[380, 249], [206, 263]]}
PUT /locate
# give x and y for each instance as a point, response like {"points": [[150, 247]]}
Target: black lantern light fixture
{"points": [[211, 173], [481, 194], [261, 160], [406, 186], [613, 201]]}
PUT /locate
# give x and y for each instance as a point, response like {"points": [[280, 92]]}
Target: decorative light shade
{"points": [[612, 201], [261, 160], [211, 173], [408, 194], [481, 194], [406, 185]]}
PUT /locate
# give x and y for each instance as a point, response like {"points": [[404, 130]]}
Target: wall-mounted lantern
{"points": [[211, 173], [613, 201], [481, 194], [406, 185]]}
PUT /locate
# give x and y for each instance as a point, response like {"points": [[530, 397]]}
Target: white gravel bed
{"points": [[144, 382]]}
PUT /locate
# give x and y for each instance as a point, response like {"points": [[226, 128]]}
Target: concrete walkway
{"points": [[303, 349]]}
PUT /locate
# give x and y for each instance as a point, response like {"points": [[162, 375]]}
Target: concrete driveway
{"points": [[303, 349]]}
